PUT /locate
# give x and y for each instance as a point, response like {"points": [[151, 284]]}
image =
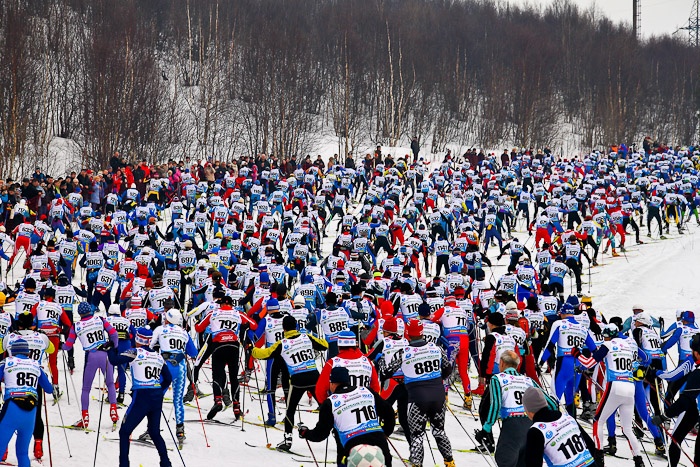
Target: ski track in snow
{"points": [[661, 276]]}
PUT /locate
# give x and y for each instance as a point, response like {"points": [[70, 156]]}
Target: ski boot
{"points": [[599, 458], [189, 395], [285, 445], [595, 262], [180, 433], [56, 393], [615, 254], [145, 436], [639, 242], [38, 448], [71, 364], [638, 462], [120, 398], [611, 448], [479, 391], [660, 447], [84, 422], [113, 414], [450, 463], [622, 248], [485, 441], [271, 419], [588, 413], [468, 401], [226, 398], [577, 399], [237, 410], [216, 408], [649, 235]]}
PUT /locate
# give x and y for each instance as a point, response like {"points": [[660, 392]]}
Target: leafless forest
{"points": [[157, 79]]}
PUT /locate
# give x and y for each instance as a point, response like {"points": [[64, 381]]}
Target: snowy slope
{"points": [[658, 275]]}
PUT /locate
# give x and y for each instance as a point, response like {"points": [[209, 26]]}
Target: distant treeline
{"points": [[156, 79]]}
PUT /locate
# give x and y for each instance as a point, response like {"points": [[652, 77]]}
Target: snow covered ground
{"points": [[660, 275]]}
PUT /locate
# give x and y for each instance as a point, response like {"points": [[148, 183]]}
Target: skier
{"points": [[505, 402], [620, 357], [297, 350], [22, 376], [424, 366], [95, 335], [175, 345], [554, 436], [149, 381], [358, 415]]}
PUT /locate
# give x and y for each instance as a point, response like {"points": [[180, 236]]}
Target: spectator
{"points": [[415, 148]]}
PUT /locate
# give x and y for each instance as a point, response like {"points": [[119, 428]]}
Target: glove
{"points": [[575, 352], [638, 374], [303, 430], [658, 420], [499, 257], [485, 439]]}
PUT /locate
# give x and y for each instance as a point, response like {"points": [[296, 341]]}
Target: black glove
{"points": [[303, 430], [658, 420], [575, 352], [499, 257], [485, 439]]}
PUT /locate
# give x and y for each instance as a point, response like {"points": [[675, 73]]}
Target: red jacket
{"points": [[323, 384]]}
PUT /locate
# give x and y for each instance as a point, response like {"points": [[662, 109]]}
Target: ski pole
{"points": [[257, 386], [477, 445], [668, 433], [430, 448], [48, 431], [75, 392], [311, 451], [454, 386], [65, 374], [199, 410], [396, 451], [99, 422], [63, 424], [243, 396], [170, 430]]}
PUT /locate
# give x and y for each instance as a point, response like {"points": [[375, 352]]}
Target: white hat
{"points": [[637, 307], [643, 318], [299, 300]]}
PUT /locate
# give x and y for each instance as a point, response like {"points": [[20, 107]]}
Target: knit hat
{"points": [[85, 309], [19, 347], [347, 339], [136, 301], [534, 400], [496, 319], [424, 310], [273, 305], [264, 277], [30, 283], [143, 336], [299, 300], [289, 323], [390, 325], [340, 375]]}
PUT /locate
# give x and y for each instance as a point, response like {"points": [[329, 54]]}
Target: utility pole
{"points": [[693, 26], [637, 18]]}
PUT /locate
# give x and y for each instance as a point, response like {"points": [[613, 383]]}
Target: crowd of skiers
{"points": [[367, 286]]}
